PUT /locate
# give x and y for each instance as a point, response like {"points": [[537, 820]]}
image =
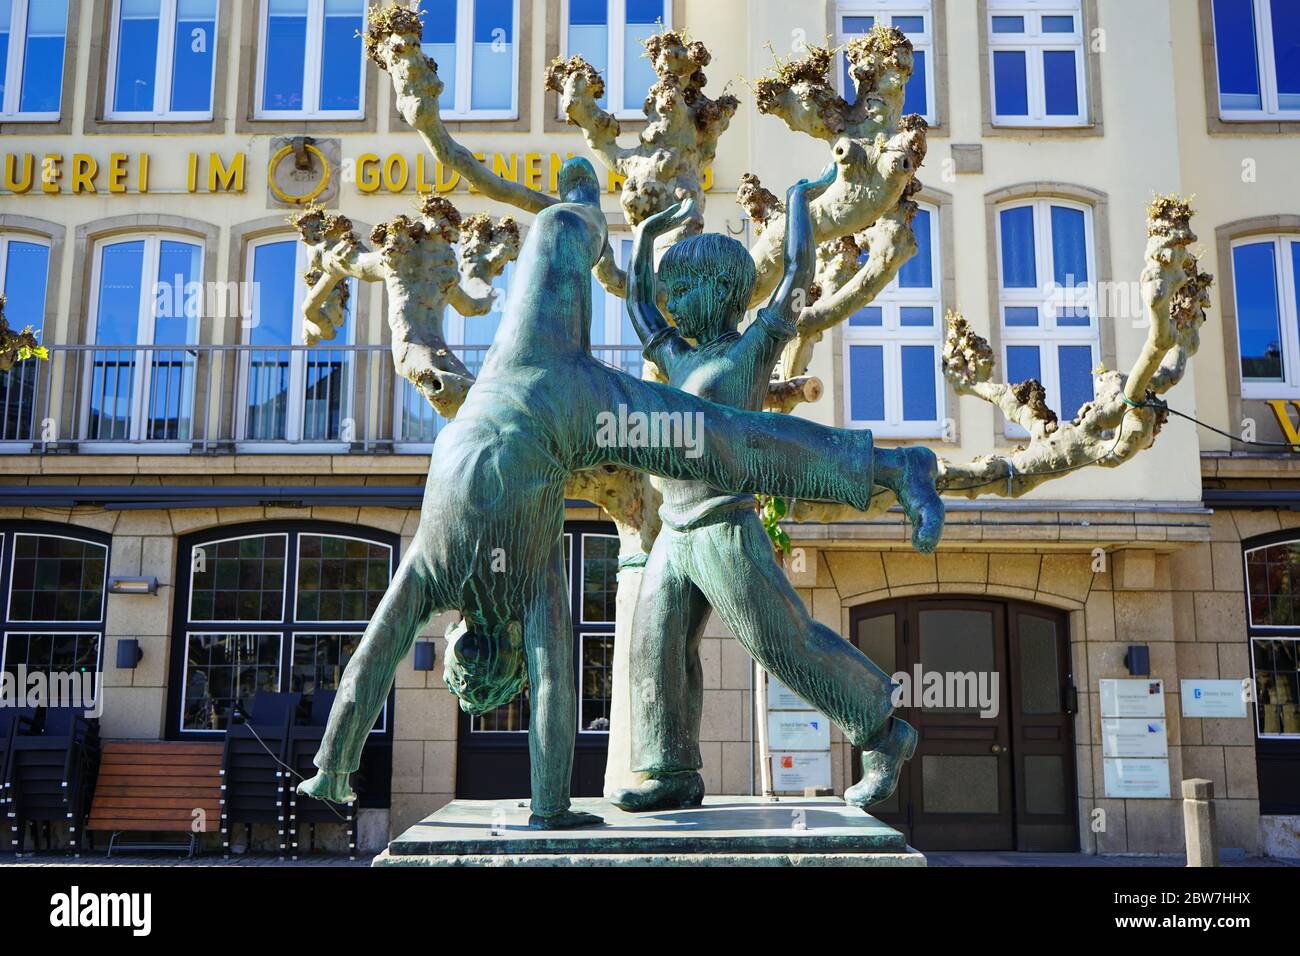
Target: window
{"points": [[893, 347], [310, 63], [161, 59], [609, 35], [24, 276], [915, 19], [32, 34], [1257, 50], [277, 612], [1037, 59], [1047, 300], [292, 393], [474, 44], [54, 593], [142, 297], [1265, 270], [1273, 606]]}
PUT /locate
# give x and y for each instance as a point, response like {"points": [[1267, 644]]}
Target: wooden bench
{"points": [[157, 787]]}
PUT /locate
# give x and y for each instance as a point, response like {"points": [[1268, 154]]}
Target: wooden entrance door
{"points": [[994, 767]]}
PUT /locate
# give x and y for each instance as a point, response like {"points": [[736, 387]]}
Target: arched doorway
{"points": [[989, 687]]}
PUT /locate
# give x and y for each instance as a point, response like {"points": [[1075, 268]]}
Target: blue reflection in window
{"points": [[1008, 24], [493, 69], [867, 383], [274, 272], [643, 17], [1058, 24], [26, 270], [1075, 364], [916, 99], [439, 42], [1011, 82], [589, 36], [1019, 262], [6, 18], [919, 401], [121, 267], [918, 271], [1286, 52], [178, 277], [137, 55], [340, 72], [42, 87], [1237, 55], [1069, 247], [916, 316], [194, 56], [1020, 316], [1023, 363], [871, 316], [909, 24], [286, 55], [1062, 82], [1259, 321], [857, 24]]}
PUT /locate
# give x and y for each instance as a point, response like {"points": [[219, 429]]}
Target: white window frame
{"points": [[9, 109], [617, 28], [298, 563], [189, 606], [880, 10], [185, 671], [582, 641], [286, 677], [312, 67], [162, 90], [37, 632], [34, 239], [1286, 284], [892, 335], [582, 570], [464, 68], [298, 361], [1034, 42], [1266, 63], [9, 598], [1048, 336], [1254, 679], [146, 327]]}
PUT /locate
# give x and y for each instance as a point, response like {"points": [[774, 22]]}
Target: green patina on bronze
{"points": [[489, 544]]}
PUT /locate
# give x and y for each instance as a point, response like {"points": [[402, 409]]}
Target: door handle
{"points": [[997, 749]]}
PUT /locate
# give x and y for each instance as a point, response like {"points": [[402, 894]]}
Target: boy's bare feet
{"points": [[668, 791], [881, 767], [921, 502], [564, 820], [328, 786]]}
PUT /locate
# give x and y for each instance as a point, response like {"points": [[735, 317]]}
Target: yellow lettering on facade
{"points": [[51, 172], [192, 174], [533, 170], [422, 185], [396, 173], [482, 158], [142, 183], [707, 182], [84, 171], [506, 166], [226, 176], [615, 181], [117, 173], [18, 184], [368, 173], [1289, 428], [443, 182]]}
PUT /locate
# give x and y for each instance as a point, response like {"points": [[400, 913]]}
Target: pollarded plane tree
{"points": [[862, 223]]}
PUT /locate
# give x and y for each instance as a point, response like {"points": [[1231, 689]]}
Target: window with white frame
{"points": [[892, 347], [1257, 52], [475, 44], [144, 312], [609, 34], [291, 393], [24, 277], [1038, 62], [1266, 283], [1047, 300], [1273, 609], [276, 612], [916, 20], [32, 35], [161, 59], [309, 59]]}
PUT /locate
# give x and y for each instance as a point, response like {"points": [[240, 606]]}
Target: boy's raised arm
{"points": [[791, 296], [642, 301]]}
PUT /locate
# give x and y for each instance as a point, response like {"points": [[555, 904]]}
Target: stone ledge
{"points": [[911, 858]]}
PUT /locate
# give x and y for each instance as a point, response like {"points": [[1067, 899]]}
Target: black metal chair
{"points": [[14, 722], [304, 741], [254, 769], [52, 774]]}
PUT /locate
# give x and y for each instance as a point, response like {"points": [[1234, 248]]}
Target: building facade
{"points": [[181, 430]]}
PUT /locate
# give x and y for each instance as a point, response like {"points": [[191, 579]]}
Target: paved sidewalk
{"points": [[177, 859], [1084, 859]]}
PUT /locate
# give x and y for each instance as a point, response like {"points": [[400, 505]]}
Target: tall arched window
{"points": [[915, 18], [291, 392], [145, 306], [1266, 283], [1047, 299], [24, 278]]}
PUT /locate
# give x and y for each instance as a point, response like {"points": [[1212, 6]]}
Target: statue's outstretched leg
{"points": [[405, 609], [768, 618], [667, 683], [553, 716]]}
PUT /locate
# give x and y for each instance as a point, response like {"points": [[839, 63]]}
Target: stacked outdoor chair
{"points": [[254, 769], [304, 741], [50, 774], [14, 721]]}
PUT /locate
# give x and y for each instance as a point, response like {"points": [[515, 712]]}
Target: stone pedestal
{"points": [[725, 831]]}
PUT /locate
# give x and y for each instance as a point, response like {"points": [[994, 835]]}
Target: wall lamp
{"points": [[426, 652], [119, 585], [129, 654], [1138, 660]]}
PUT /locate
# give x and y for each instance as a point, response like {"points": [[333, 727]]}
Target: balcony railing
{"points": [[179, 399]]}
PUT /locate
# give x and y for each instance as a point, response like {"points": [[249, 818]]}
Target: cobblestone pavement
{"points": [[177, 859], [1083, 859]]}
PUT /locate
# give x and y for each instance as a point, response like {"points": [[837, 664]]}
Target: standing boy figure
{"points": [[713, 550]]}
